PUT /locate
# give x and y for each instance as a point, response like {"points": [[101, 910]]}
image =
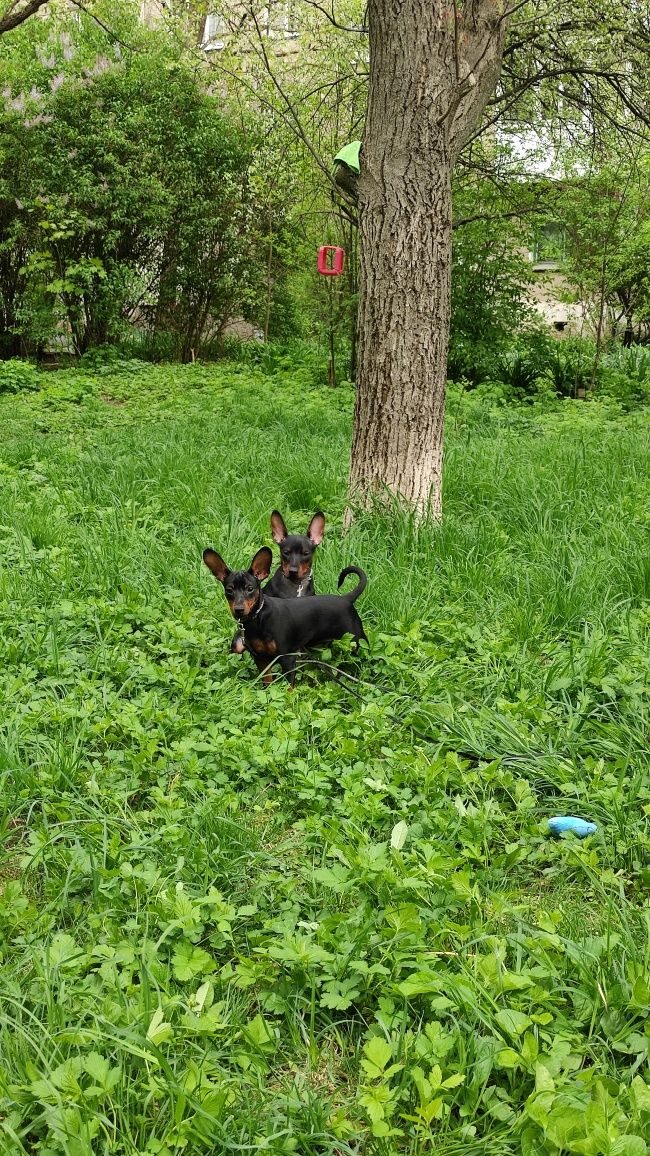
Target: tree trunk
{"points": [[404, 329], [432, 69]]}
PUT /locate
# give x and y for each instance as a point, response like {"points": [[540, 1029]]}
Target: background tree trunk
{"points": [[431, 72], [403, 329]]}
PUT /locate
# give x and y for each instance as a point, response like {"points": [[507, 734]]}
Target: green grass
{"points": [[238, 920]]}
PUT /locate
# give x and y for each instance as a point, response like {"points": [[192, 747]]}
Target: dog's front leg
{"points": [[288, 664], [264, 667]]}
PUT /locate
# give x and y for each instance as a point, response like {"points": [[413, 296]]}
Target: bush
{"points": [[297, 357], [570, 366], [534, 367], [147, 345], [16, 375], [624, 375]]}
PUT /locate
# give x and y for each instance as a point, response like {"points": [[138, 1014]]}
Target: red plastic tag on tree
{"points": [[331, 260]]}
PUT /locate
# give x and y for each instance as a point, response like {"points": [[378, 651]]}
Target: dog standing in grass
{"points": [[293, 577], [277, 629]]}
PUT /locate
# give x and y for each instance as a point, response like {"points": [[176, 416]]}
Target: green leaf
{"points": [[158, 1030], [538, 1106], [628, 1146], [377, 1053], [640, 1093], [398, 835], [420, 983], [202, 998], [566, 1126], [339, 994], [543, 1079], [529, 1048], [189, 961], [432, 1110], [97, 1068], [63, 950], [454, 1081], [641, 992], [513, 1022], [259, 1033], [66, 1076]]}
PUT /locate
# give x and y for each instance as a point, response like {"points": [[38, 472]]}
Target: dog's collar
{"points": [[253, 615], [303, 585]]}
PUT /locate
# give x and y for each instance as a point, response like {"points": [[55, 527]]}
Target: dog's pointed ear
{"points": [[261, 564], [316, 528], [216, 564], [278, 528]]}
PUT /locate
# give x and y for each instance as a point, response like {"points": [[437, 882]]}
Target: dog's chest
{"points": [[263, 646]]}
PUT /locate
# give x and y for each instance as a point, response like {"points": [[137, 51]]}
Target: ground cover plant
{"points": [[333, 921]]}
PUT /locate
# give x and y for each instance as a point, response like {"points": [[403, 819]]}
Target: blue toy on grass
{"points": [[580, 827]]}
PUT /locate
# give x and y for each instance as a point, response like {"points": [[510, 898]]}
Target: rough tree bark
{"points": [[433, 65]]}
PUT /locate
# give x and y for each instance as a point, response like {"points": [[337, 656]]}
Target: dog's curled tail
{"points": [[353, 594]]}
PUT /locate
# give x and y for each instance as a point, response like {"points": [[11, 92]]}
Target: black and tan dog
{"points": [[293, 577], [277, 629]]}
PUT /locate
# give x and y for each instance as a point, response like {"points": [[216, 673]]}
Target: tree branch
{"points": [[15, 16], [358, 29], [109, 32]]}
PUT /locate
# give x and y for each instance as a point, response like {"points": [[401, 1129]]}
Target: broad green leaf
{"points": [[377, 1053], [513, 1022], [259, 1033], [435, 1077], [641, 992], [202, 998], [628, 1146], [529, 1048], [420, 983], [65, 1077], [543, 1079], [97, 1068], [454, 1081], [158, 1030], [566, 1126], [538, 1106], [63, 950], [640, 1092], [432, 1110], [189, 961], [398, 835]]}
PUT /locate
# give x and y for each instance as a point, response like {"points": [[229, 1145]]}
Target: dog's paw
{"points": [[237, 644]]}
